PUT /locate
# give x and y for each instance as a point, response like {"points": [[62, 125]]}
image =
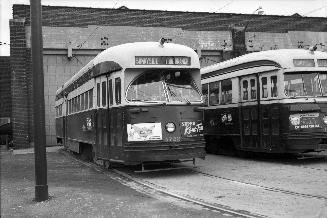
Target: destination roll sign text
{"points": [[162, 60]]}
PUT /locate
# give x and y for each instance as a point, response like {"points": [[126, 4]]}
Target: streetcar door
{"points": [[249, 110], [269, 112], [102, 149]]}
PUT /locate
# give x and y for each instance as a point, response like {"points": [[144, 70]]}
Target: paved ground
{"points": [[78, 191], [270, 186]]}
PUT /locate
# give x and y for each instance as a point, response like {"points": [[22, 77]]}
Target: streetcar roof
{"points": [[282, 58], [123, 56]]}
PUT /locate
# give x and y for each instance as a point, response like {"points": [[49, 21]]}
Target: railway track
{"points": [[155, 190], [272, 189]]}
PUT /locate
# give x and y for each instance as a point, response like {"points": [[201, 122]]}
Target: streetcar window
{"points": [[181, 86], [69, 106], [73, 105], [305, 84], [91, 98], [147, 87], [86, 101], [245, 90], [104, 93], [226, 91], [98, 94], [82, 102], [78, 104], [205, 93], [264, 87], [214, 93], [150, 87], [253, 89], [323, 81], [118, 90], [273, 81], [111, 100]]}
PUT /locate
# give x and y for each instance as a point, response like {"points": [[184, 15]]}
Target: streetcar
{"points": [[133, 104], [267, 102]]}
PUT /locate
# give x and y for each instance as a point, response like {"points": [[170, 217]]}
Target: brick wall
{"points": [[19, 84], [5, 81], [70, 16]]}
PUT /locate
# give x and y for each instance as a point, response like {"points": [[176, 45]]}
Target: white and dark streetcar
{"points": [[270, 101], [134, 103]]}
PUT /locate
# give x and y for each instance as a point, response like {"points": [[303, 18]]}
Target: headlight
{"points": [[170, 127], [325, 119], [295, 120]]}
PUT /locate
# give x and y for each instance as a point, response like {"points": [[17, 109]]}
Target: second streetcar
{"points": [[271, 102]]}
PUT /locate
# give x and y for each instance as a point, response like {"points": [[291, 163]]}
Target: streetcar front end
{"points": [[305, 107], [162, 120]]}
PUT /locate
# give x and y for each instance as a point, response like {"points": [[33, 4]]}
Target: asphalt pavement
{"points": [[76, 190]]}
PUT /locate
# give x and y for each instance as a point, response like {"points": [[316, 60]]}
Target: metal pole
{"points": [[41, 187]]}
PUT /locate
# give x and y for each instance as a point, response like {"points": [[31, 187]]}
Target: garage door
{"points": [[57, 70]]}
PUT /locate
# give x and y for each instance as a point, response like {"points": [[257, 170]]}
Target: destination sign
{"points": [[162, 60], [303, 62]]}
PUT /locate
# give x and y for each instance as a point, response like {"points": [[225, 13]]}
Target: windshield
{"points": [[154, 86], [305, 84]]}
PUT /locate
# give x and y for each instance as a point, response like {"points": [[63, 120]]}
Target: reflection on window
{"points": [[205, 93], [86, 100], [118, 90], [214, 93], [82, 102], [226, 91], [305, 84], [150, 87], [264, 87], [91, 98], [253, 89], [104, 94], [273, 80], [245, 90], [111, 100], [78, 104], [98, 94], [181, 87], [323, 82], [147, 87]]}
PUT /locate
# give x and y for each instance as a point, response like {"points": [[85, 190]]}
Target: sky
{"points": [[308, 8]]}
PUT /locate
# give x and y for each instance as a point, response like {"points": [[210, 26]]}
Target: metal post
{"points": [[41, 187]]}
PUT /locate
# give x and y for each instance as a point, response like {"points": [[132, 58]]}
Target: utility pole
{"points": [[41, 186]]}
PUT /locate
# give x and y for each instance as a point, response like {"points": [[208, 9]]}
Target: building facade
{"points": [[73, 36]]}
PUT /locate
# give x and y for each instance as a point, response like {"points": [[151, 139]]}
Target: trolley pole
{"points": [[41, 186]]}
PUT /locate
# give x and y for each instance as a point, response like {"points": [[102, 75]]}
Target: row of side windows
{"points": [[103, 90], [249, 88], [220, 92], [59, 110], [81, 102]]}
